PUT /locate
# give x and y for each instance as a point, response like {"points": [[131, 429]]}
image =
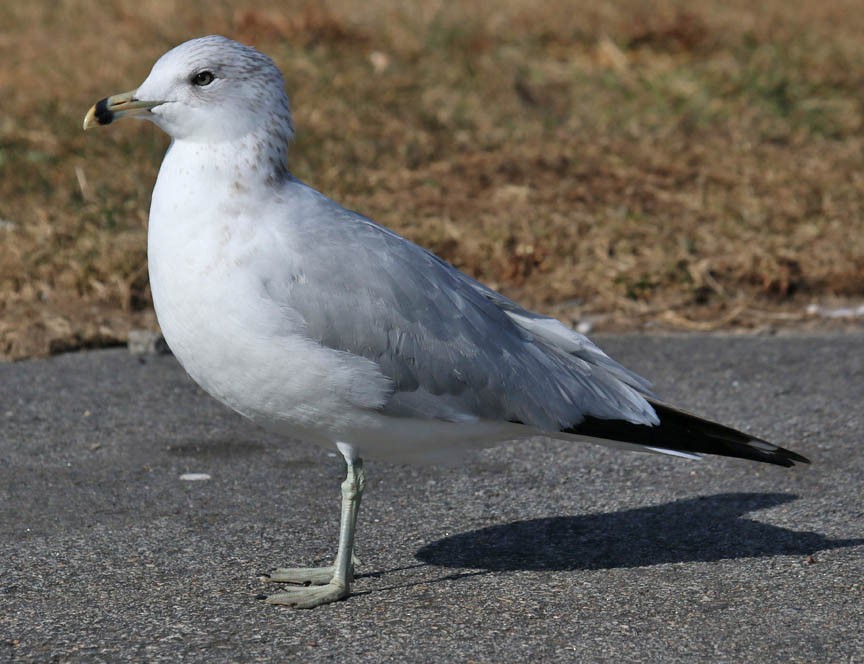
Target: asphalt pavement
{"points": [[540, 552]]}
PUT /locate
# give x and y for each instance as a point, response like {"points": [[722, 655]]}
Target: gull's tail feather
{"points": [[682, 432]]}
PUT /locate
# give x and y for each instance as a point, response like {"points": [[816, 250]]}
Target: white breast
{"points": [[209, 261]]}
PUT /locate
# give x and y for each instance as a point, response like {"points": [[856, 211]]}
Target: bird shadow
{"points": [[703, 529]]}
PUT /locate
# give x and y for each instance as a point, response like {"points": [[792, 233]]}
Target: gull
{"points": [[315, 322]]}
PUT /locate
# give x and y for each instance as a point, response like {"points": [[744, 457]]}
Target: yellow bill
{"points": [[105, 111]]}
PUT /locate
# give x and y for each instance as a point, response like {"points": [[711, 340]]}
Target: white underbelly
{"points": [[248, 352], [294, 386]]}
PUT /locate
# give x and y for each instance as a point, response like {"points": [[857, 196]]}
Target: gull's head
{"points": [[207, 90]]}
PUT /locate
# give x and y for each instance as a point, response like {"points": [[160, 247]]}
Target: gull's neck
{"points": [[256, 160]]}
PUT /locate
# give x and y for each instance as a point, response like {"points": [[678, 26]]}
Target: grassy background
{"points": [[690, 165]]}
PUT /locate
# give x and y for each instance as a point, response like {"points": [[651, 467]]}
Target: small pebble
{"points": [[194, 477]]}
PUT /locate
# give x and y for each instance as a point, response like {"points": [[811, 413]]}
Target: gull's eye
{"points": [[202, 78]]}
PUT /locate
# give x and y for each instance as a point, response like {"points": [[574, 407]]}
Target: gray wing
{"points": [[452, 348]]}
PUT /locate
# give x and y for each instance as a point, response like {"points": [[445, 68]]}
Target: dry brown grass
{"points": [[694, 165]]}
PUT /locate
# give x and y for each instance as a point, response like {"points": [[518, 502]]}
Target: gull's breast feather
{"points": [[210, 265]]}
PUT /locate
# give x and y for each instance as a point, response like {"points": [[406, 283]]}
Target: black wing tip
{"points": [[771, 452], [680, 431], [792, 458], [782, 457]]}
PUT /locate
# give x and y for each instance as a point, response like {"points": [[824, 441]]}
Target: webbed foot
{"points": [[301, 576], [308, 597], [307, 576]]}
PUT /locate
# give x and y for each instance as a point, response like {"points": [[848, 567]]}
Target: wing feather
{"points": [[451, 347]]}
